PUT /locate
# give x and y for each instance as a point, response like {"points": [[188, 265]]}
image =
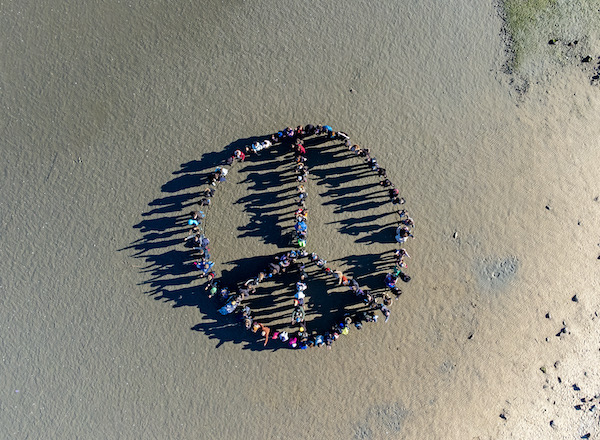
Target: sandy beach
{"points": [[112, 112]]}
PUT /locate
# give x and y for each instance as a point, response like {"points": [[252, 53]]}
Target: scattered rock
{"points": [[578, 407], [575, 299], [576, 388]]}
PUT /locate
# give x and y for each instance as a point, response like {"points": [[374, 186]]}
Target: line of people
{"points": [[233, 302]]}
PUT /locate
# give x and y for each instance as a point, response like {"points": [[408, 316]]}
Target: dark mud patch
{"points": [[544, 37], [381, 422], [497, 273]]}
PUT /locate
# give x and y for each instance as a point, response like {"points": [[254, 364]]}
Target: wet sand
{"points": [[103, 104]]}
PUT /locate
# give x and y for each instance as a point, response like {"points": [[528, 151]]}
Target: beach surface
{"points": [[110, 109]]}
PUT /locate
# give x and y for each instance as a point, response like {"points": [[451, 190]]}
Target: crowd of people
{"points": [[234, 302]]}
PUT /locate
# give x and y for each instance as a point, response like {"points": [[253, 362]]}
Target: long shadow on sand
{"points": [[171, 277]]}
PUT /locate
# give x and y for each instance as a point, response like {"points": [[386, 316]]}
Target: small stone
{"points": [[455, 235], [578, 407], [543, 370], [586, 435], [552, 424], [559, 379], [503, 416], [553, 41], [556, 364], [548, 314], [586, 59], [548, 207], [470, 336], [576, 388], [575, 299]]}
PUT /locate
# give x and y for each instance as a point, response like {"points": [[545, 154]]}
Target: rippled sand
{"points": [[103, 104]]}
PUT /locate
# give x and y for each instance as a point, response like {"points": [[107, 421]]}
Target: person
{"points": [[343, 329], [401, 253], [387, 300], [390, 281], [386, 312], [408, 221], [239, 155], [298, 315], [274, 268], [329, 339], [228, 308], [208, 192], [288, 132], [402, 234], [211, 281], [299, 298], [319, 341], [265, 332], [283, 336], [244, 292], [396, 291], [342, 136], [342, 279]]}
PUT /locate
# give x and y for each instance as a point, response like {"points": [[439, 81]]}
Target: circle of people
{"points": [[232, 302]]}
